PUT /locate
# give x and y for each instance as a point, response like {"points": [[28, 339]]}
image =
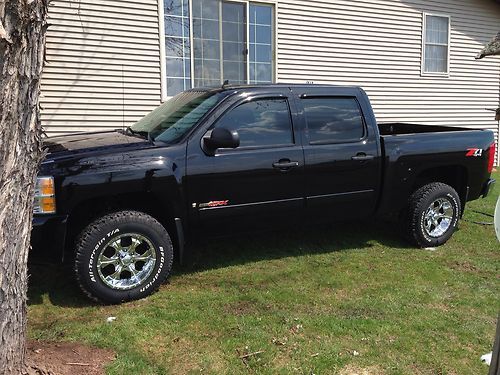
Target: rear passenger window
{"points": [[264, 122], [333, 120]]}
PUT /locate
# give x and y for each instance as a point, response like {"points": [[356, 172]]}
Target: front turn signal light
{"points": [[45, 196]]}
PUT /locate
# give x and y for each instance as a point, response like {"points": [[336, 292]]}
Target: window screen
{"points": [[260, 123], [333, 120]]}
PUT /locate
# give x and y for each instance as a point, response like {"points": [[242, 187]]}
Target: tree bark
{"points": [[22, 49]]}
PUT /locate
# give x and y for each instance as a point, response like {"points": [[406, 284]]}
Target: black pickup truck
{"points": [[219, 160]]}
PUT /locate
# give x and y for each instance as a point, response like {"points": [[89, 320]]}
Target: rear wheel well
{"points": [[453, 175], [89, 210]]}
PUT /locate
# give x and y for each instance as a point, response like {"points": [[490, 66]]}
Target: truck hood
{"points": [[88, 144]]}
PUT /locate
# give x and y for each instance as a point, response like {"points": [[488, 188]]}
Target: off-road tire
{"points": [[92, 240], [415, 216]]}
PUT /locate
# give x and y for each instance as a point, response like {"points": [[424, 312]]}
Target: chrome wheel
{"points": [[438, 217], [126, 261]]}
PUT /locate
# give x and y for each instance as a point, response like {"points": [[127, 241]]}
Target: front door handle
{"points": [[285, 164], [362, 156]]}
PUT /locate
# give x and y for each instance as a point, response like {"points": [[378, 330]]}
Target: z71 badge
{"points": [[476, 152]]}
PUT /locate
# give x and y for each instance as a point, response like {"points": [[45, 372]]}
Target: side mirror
{"points": [[220, 138]]}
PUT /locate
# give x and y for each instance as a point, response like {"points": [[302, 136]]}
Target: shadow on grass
{"points": [[56, 282]]}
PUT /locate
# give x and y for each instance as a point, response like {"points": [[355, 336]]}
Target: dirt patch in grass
{"points": [[354, 370], [464, 266], [45, 358], [240, 308]]}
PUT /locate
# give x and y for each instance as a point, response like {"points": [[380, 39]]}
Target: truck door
{"points": [[259, 183], [342, 172]]}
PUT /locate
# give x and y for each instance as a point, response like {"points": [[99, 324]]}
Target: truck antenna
{"points": [[226, 82]]}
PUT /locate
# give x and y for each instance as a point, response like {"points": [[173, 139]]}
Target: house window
{"points": [[436, 44], [210, 41], [177, 45]]}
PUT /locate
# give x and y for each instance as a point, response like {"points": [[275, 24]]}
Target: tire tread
{"points": [[416, 201], [85, 237]]}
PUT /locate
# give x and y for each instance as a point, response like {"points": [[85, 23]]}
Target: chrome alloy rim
{"points": [[438, 217], [126, 261]]}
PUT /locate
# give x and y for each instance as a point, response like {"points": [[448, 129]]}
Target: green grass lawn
{"points": [[323, 301]]}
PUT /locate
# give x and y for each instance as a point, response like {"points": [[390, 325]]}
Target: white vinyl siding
{"points": [[378, 45], [103, 64]]}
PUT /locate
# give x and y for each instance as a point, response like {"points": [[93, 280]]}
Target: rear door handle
{"points": [[285, 164], [362, 156]]}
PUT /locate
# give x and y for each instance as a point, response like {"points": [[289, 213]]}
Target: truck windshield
{"points": [[173, 119]]}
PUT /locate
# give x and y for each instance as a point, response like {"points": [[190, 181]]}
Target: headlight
{"points": [[45, 199]]}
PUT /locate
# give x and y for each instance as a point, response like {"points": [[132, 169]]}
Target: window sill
{"points": [[435, 74]]}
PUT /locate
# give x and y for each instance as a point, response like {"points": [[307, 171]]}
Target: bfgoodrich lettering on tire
{"points": [[123, 256], [433, 214]]}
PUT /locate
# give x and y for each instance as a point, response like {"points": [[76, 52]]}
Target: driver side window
{"points": [[263, 122]]}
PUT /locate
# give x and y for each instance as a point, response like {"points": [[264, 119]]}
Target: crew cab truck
{"points": [[222, 159]]}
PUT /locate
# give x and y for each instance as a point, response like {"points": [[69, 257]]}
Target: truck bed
{"points": [[397, 128]]}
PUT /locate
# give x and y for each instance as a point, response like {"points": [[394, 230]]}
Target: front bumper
{"points": [[48, 236], [488, 187]]}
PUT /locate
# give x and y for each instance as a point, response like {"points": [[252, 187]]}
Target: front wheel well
{"points": [[89, 210]]}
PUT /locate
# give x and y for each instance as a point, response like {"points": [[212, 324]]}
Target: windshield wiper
{"points": [[142, 134]]}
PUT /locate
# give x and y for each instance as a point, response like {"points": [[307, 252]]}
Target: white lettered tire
{"points": [[122, 256], [433, 214]]}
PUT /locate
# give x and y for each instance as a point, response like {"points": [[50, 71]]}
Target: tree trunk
{"points": [[22, 49]]}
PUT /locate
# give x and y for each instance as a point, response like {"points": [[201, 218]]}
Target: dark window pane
{"points": [[207, 69], [251, 33], [206, 82], [436, 59], [252, 53], [333, 120], [263, 53], [209, 30], [233, 12], [263, 34], [252, 72], [175, 67], [176, 47], [264, 72], [176, 26], [261, 14], [260, 123], [436, 29], [234, 51], [233, 32], [206, 29], [235, 72], [209, 9], [176, 7], [206, 49], [175, 86]]}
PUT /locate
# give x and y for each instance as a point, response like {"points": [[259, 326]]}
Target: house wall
{"points": [[378, 45], [103, 67], [103, 64]]}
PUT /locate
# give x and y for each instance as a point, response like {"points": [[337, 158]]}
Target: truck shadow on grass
{"points": [[56, 282]]}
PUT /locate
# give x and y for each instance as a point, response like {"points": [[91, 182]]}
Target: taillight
{"points": [[491, 156]]}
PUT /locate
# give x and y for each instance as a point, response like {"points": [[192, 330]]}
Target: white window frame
{"points": [[424, 31], [163, 57]]}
